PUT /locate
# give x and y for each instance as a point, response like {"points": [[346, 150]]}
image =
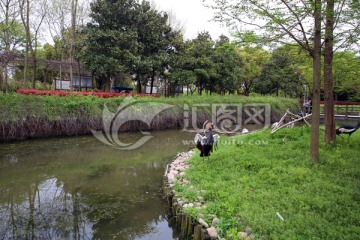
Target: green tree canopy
{"points": [[254, 58], [280, 76], [228, 65]]}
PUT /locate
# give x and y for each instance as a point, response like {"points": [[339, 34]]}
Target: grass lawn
{"points": [[252, 177]]}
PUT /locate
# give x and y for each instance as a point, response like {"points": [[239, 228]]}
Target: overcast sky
{"points": [[195, 17]]}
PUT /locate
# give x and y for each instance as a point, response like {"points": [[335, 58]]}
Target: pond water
{"points": [[80, 188]]}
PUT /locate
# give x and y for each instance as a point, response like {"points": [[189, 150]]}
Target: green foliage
{"points": [[254, 58], [111, 43], [228, 67], [280, 75], [252, 177], [126, 36], [12, 35], [198, 59], [17, 107], [210, 66], [346, 76]]}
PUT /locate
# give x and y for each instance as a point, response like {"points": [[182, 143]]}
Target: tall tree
{"points": [[276, 22], [330, 135], [155, 38], [65, 15], [342, 29], [32, 15], [199, 52], [228, 65], [25, 18], [280, 75], [316, 55], [254, 59], [74, 7], [11, 35], [111, 42]]}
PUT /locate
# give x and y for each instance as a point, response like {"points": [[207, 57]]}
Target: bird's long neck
{"points": [[209, 135]]}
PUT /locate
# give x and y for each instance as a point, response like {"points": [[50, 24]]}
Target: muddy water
{"points": [[80, 188]]}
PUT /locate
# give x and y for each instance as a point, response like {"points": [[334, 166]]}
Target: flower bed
{"points": [[96, 94]]}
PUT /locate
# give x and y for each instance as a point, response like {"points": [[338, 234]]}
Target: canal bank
{"points": [[188, 226], [264, 186], [24, 117]]}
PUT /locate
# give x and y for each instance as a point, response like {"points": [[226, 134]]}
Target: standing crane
{"points": [[206, 143]]}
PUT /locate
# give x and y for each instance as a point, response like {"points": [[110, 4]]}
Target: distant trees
{"points": [[278, 22], [32, 14], [132, 38], [198, 59], [280, 75], [126, 36], [12, 35], [346, 80], [254, 59]]}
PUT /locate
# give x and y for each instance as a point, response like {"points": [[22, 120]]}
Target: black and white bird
{"points": [[206, 143], [346, 129]]}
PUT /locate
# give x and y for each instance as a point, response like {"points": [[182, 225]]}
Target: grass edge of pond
{"points": [[249, 180]]}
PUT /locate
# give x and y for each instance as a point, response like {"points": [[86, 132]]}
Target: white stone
{"points": [[174, 172], [200, 199], [213, 234], [171, 178], [203, 223], [215, 222], [243, 235]]}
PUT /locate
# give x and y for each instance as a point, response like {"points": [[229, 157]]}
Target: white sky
{"points": [[194, 16]]}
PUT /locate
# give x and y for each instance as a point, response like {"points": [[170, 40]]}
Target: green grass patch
{"points": [[17, 107], [251, 177]]}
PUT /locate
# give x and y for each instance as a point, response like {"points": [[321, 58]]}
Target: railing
{"points": [[344, 109]]}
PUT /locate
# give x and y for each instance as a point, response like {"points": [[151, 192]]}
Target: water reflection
{"points": [[79, 188]]}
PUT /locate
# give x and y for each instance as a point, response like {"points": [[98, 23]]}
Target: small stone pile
{"points": [[176, 170], [175, 173]]}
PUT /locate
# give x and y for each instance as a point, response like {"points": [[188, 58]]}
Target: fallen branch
{"points": [[279, 126]]}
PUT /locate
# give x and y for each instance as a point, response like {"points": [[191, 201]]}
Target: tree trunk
{"points": [[152, 82], [62, 60], [26, 64], [25, 17], [1, 77], [314, 145], [107, 82], [330, 135], [79, 74], [6, 75], [138, 83], [33, 55], [74, 4]]}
